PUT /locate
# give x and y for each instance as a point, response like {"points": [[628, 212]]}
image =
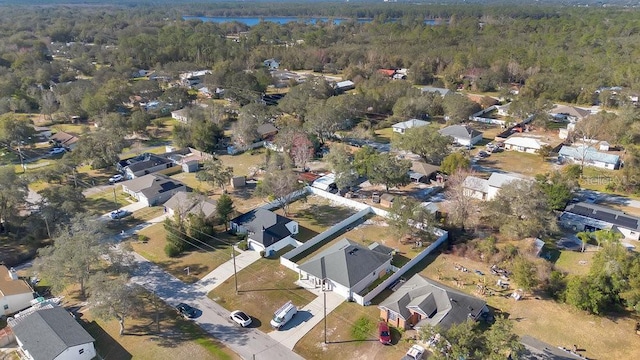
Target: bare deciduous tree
{"points": [[462, 209]]}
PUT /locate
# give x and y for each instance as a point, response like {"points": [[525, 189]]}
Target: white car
{"points": [[240, 318], [415, 353], [116, 178], [56, 151]]}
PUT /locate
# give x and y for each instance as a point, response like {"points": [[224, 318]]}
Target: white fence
{"points": [[279, 202], [323, 236]]}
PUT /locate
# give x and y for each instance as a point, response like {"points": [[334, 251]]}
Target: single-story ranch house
{"points": [[266, 230], [347, 267], [402, 127], [523, 144], [52, 334], [461, 134], [153, 189], [487, 189], [421, 301], [591, 157], [583, 216], [185, 203]]}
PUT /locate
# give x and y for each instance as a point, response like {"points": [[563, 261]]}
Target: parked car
{"points": [[56, 151], [414, 353], [116, 178], [240, 318], [186, 310], [483, 154], [384, 335], [283, 315], [118, 214]]}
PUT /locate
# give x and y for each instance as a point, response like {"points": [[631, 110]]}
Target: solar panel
{"points": [[604, 216], [626, 222]]}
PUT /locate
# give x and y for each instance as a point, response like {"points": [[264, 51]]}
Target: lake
{"points": [[250, 21]]}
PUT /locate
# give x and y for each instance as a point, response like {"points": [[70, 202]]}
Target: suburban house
{"points": [[569, 113], [271, 64], [423, 172], [346, 267], [503, 110], [402, 127], [266, 230], [431, 89], [52, 334], [346, 85], [188, 159], [584, 216], [185, 203], [589, 156], [487, 189], [15, 293], [193, 78], [153, 189], [181, 115], [535, 349], [421, 301], [64, 139], [266, 131], [461, 134], [523, 144], [143, 164], [326, 182]]}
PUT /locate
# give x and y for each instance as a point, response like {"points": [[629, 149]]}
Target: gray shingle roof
{"points": [[151, 161], [266, 129], [439, 304], [476, 183], [346, 263], [604, 214], [498, 180], [151, 185], [47, 333], [459, 132], [538, 350], [191, 203], [410, 124], [264, 226]]}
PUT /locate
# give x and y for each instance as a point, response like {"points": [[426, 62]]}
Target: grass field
{"points": [[241, 163], [104, 202], [199, 262], [316, 213], [340, 340], [518, 162], [263, 286]]}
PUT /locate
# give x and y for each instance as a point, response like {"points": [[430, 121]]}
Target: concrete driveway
{"points": [[306, 318], [223, 272]]}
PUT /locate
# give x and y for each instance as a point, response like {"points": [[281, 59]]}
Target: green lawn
{"points": [[573, 262], [263, 286], [199, 262], [106, 201]]}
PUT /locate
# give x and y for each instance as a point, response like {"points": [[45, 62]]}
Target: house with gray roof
{"points": [[589, 156], [266, 230], [346, 267], [487, 189], [462, 134], [421, 301], [584, 216], [570, 113], [52, 334], [402, 127], [143, 164], [153, 189], [535, 349], [423, 172], [185, 203]]}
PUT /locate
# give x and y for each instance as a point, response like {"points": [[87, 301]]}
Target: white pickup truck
{"points": [[415, 353]]}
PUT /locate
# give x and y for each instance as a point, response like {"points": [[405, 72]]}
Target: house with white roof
{"points": [[431, 89], [487, 189], [462, 134], [589, 156], [524, 144], [402, 127]]}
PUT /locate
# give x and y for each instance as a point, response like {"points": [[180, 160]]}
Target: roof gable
{"points": [[460, 132], [440, 304], [410, 124], [498, 180], [264, 226], [525, 142], [47, 333], [588, 153], [476, 183], [191, 203], [346, 263]]}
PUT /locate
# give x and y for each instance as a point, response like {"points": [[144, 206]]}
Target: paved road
{"points": [[247, 343]]}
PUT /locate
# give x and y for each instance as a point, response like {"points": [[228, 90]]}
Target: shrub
{"points": [[262, 253], [243, 245], [362, 329], [171, 250], [143, 238]]}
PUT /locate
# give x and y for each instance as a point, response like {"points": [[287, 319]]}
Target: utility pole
{"points": [[46, 222], [235, 273], [324, 293], [115, 198]]}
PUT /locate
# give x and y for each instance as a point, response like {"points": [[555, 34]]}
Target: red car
{"points": [[384, 335]]}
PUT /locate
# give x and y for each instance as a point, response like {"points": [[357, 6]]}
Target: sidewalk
{"points": [[306, 318], [223, 272]]}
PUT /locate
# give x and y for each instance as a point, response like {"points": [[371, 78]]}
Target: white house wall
{"points": [[474, 194], [493, 191], [629, 234], [15, 302], [292, 226], [73, 353]]}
